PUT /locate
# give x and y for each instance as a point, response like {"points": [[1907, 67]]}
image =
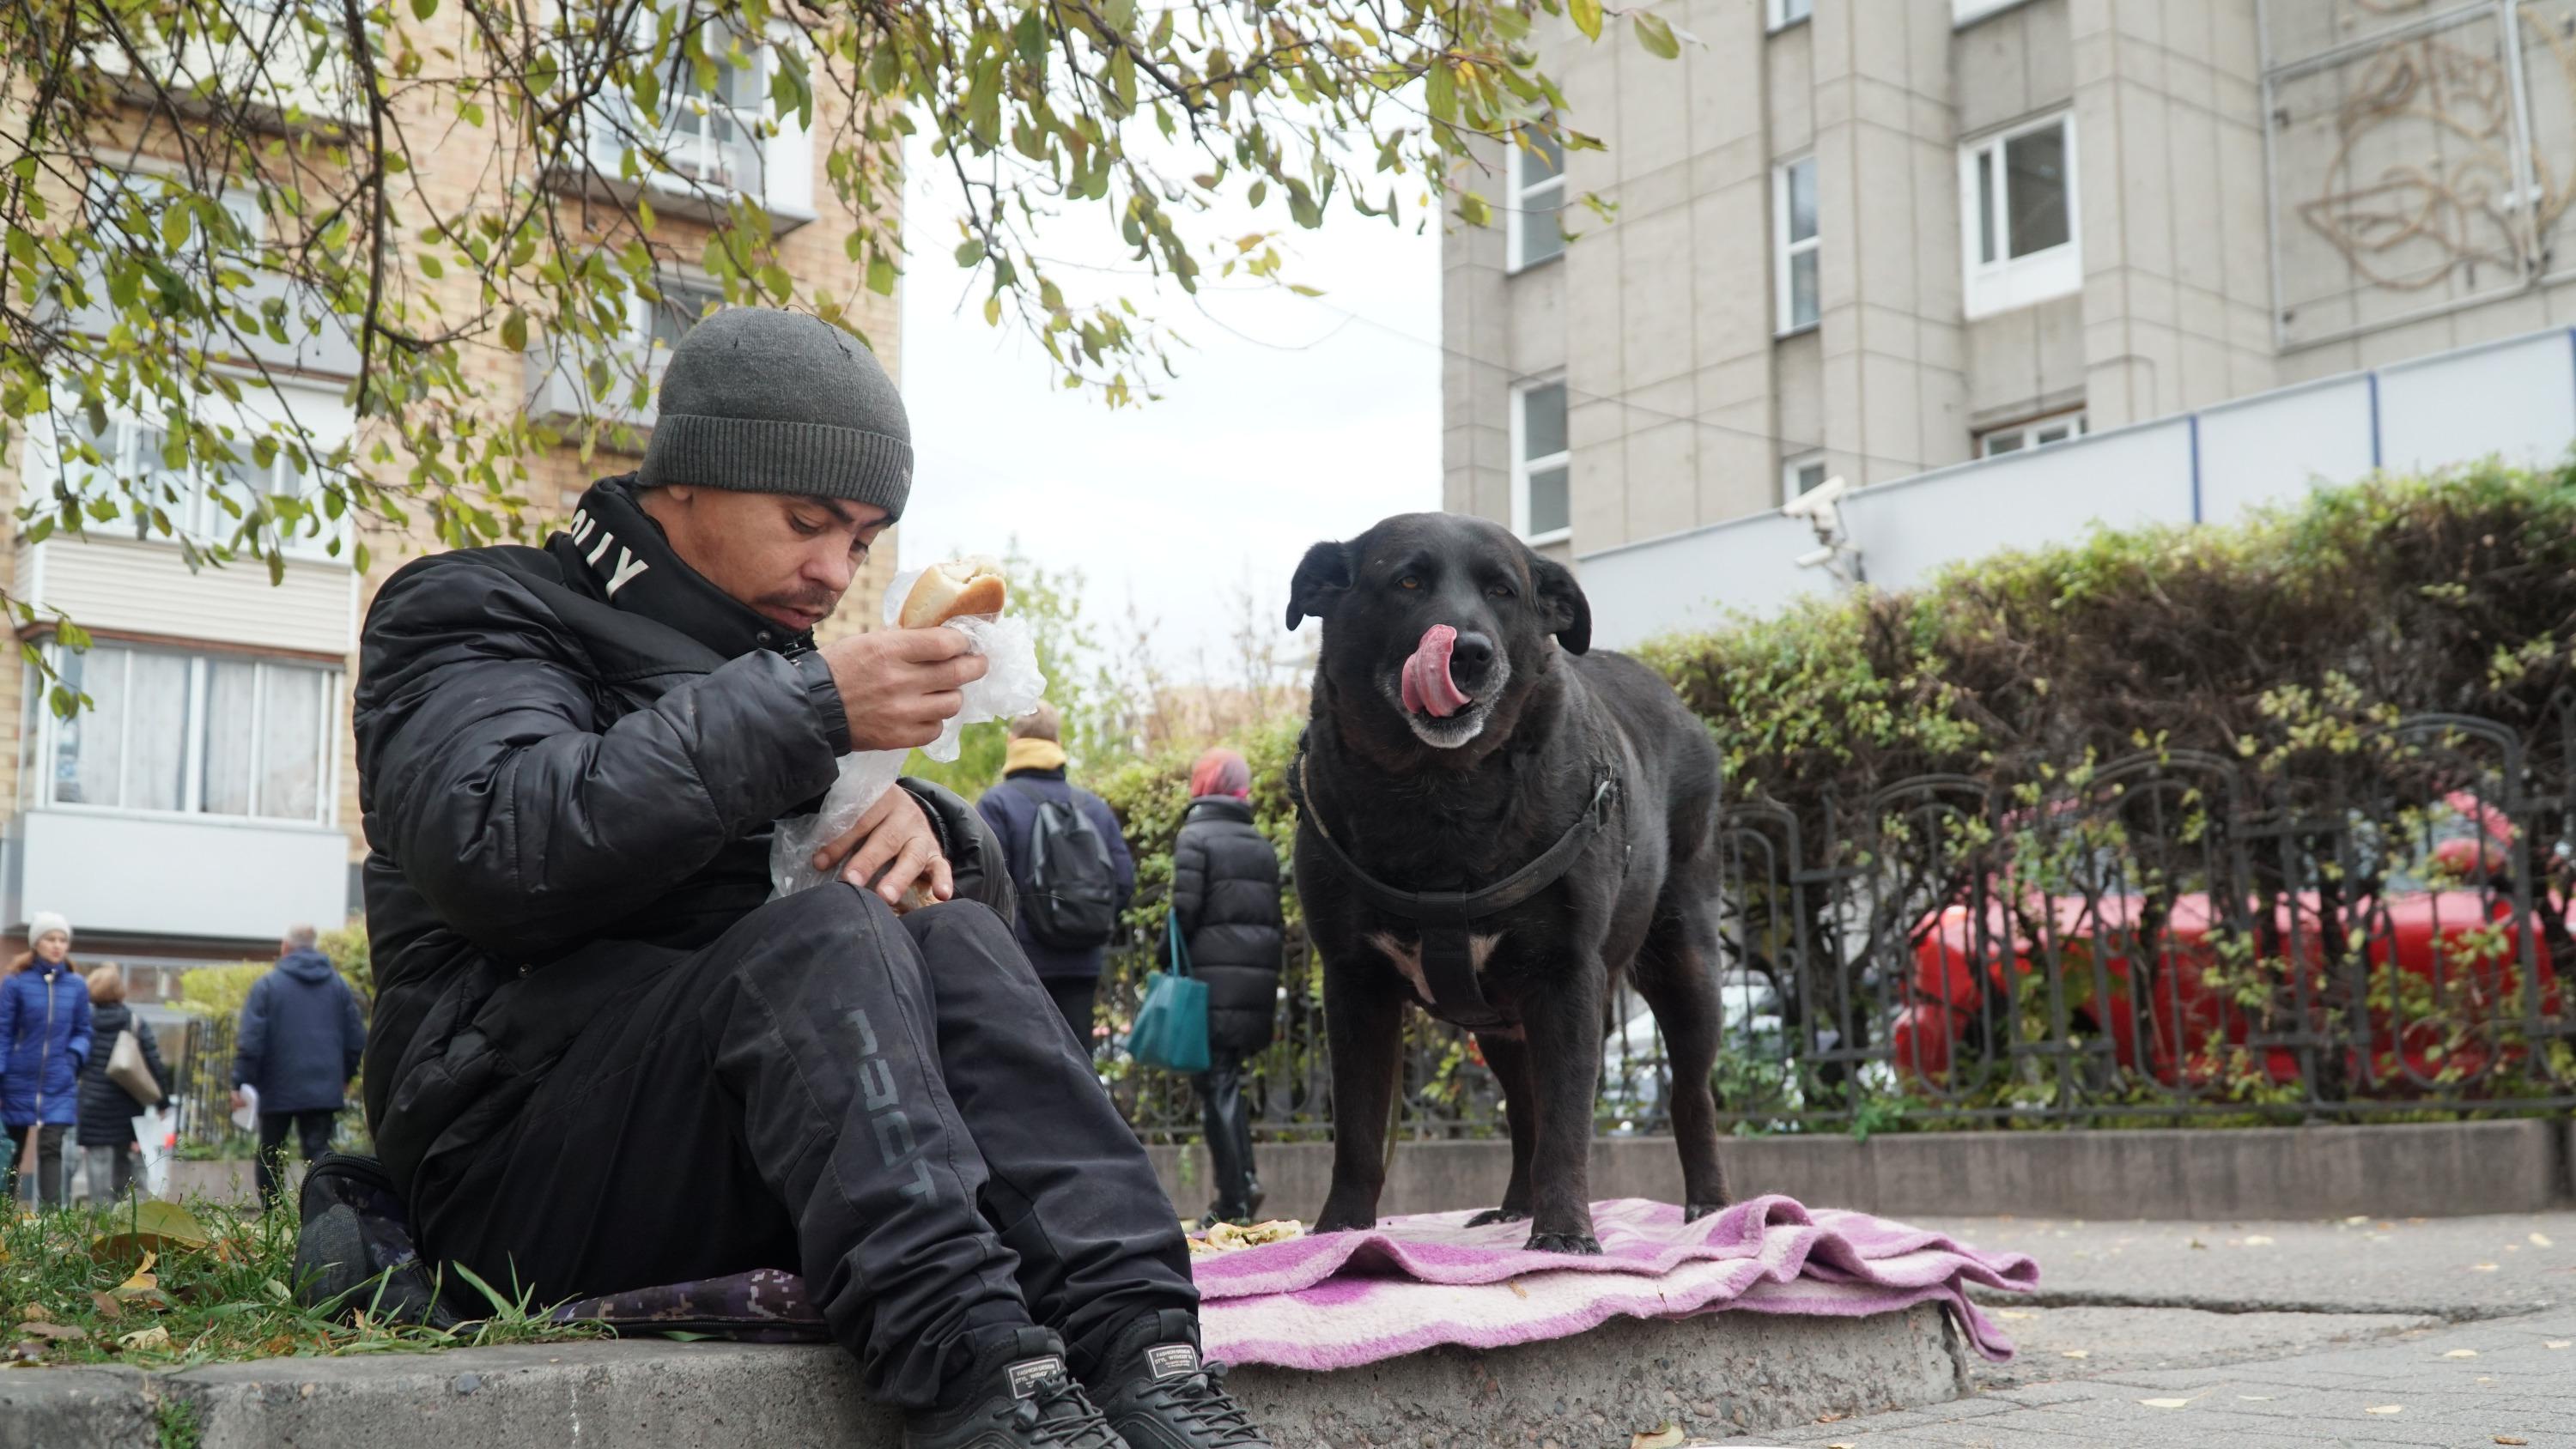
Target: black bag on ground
{"points": [[1071, 899], [354, 1251]]}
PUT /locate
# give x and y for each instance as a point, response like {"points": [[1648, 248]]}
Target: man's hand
{"points": [[239, 1101], [898, 686], [894, 847]]}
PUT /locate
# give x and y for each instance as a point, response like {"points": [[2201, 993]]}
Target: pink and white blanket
{"points": [[1337, 1300]]}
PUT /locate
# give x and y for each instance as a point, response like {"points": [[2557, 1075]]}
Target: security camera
{"points": [[1816, 558], [1818, 500]]}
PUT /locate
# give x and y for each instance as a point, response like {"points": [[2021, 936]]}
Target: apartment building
{"points": [[208, 798], [1874, 238]]}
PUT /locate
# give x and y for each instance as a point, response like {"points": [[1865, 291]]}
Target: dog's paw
{"points": [[1343, 1223], [1493, 1215], [1693, 1212], [1582, 1243]]}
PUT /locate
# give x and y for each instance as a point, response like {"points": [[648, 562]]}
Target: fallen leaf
{"points": [[105, 1305], [2014, 1313], [1665, 1436], [2510, 1439], [2197, 1243], [2257, 1240], [278, 1347], [35, 1313], [2256, 1398], [2166, 1403], [27, 1350], [2482, 1267], [2540, 1240], [151, 1228], [2557, 1343], [1839, 1444], [60, 1332], [2386, 1409], [2356, 1220], [2461, 1353], [155, 1339], [2076, 1353], [1517, 1290]]}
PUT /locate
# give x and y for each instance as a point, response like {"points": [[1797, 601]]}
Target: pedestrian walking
{"points": [[1225, 908], [108, 1107], [44, 1039], [1072, 867], [298, 1044]]}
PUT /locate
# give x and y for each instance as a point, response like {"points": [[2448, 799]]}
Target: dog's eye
{"points": [[1500, 591], [1409, 581]]}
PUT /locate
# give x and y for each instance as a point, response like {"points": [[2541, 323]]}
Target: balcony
{"points": [[716, 156], [177, 875], [559, 393]]}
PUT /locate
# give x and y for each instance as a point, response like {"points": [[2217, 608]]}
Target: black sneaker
{"points": [[1020, 1397], [1158, 1394]]}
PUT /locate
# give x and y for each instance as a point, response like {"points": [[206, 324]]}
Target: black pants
{"points": [[1076, 997], [312, 1139], [1228, 1122], [888, 1107], [52, 1187]]}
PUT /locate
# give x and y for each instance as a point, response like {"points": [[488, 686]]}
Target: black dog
{"points": [[1495, 824]]}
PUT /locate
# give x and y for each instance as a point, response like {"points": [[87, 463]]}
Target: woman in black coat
{"points": [[107, 1111], [1225, 905]]}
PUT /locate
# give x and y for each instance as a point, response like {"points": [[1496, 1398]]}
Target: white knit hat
{"points": [[45, 923]]}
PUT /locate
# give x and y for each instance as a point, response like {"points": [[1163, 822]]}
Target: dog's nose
{"points": [[1473, 651]]}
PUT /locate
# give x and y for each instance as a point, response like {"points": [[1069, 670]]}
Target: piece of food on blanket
{"points": [[958, 589], [1225, 1237]]}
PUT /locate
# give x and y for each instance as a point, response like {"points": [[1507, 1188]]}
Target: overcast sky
{"points": [[1293, 420]]}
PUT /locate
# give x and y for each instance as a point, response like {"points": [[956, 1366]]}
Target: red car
{"points": [[2454, 947]]}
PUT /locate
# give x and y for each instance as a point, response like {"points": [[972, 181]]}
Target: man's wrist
{"points": [[824, 693]]}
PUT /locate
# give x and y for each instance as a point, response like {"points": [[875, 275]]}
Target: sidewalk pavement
{"points": [[2458, 1331]]}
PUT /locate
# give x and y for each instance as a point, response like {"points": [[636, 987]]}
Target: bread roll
{"points": [[956, 589]]}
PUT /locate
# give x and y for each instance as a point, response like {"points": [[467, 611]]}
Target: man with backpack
{"points": [[1068, 860]]}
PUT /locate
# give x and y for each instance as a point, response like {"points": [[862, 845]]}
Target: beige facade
{"points": [[129, 820], [1871, 238]]}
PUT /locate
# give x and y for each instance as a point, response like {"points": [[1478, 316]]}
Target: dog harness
{"points": [[1445, 918]]}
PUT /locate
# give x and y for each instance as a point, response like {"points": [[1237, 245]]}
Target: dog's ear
{"points": [[1323, 576], [1561, 604]]}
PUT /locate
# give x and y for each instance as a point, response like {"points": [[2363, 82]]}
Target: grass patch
{"points": [[158, 1285]]}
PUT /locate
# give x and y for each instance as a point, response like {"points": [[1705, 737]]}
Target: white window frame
{"points": [[197, 514], [2033, 434], [2010, 282], [193, 726], [1522, 198], [1785, 13], [780, 151], [1784, 251], [1523, 466], [1797, 463]]}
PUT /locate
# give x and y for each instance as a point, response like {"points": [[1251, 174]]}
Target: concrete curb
{"points": [[2434, 1169], [1733, 1372]]}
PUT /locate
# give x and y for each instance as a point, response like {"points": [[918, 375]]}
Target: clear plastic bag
{"points": [[1009, 689]]}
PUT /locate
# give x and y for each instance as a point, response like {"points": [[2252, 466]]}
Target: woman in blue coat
{"points": [[44, 1039]]}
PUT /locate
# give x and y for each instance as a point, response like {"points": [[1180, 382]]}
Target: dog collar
{"points": [[1444, 917]]}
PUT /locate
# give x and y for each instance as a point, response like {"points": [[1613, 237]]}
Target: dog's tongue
{"points": [[1427, 685]]}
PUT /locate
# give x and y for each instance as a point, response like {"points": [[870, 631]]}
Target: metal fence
{"points": [[2374, 926]]}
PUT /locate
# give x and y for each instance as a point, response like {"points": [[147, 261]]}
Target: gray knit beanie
{"points": [[779, 402]]}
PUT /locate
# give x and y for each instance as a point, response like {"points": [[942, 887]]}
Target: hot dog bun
{"points": [[955, 590]]}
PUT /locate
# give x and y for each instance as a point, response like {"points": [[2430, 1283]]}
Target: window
{"points": [[2037, 433], [135, 202], [712, 135], [196, 505], [2017, 207], [1799, 474], [1785, 13], [1535, 170], [196, 734], [1795, 244], [1542, 505], [684, 301]]}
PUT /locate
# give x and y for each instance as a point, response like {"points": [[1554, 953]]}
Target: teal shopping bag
{"points": [[1172, 1025]]}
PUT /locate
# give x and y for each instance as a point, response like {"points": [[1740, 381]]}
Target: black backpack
{"points": [[1070, 899]]}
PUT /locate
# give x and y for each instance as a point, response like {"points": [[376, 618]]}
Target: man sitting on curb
{"points": [[602, 1059]]}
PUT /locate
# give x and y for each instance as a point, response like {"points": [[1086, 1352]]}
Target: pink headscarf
{"points": [[1221, 772]]}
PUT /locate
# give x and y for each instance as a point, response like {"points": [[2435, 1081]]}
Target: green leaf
{"points": [[176, 222], [423, 9], [1586, 15], [1440, 92], [881, 275], [514, 331], [970, 252], [1655, 35], [148, 1227]]}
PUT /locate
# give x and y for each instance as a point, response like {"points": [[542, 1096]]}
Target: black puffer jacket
{"points": [[569, 760], [107, 1111], [1225, 902]]}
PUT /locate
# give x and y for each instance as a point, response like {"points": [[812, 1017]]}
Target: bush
{"points": [[2286, 635]]}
